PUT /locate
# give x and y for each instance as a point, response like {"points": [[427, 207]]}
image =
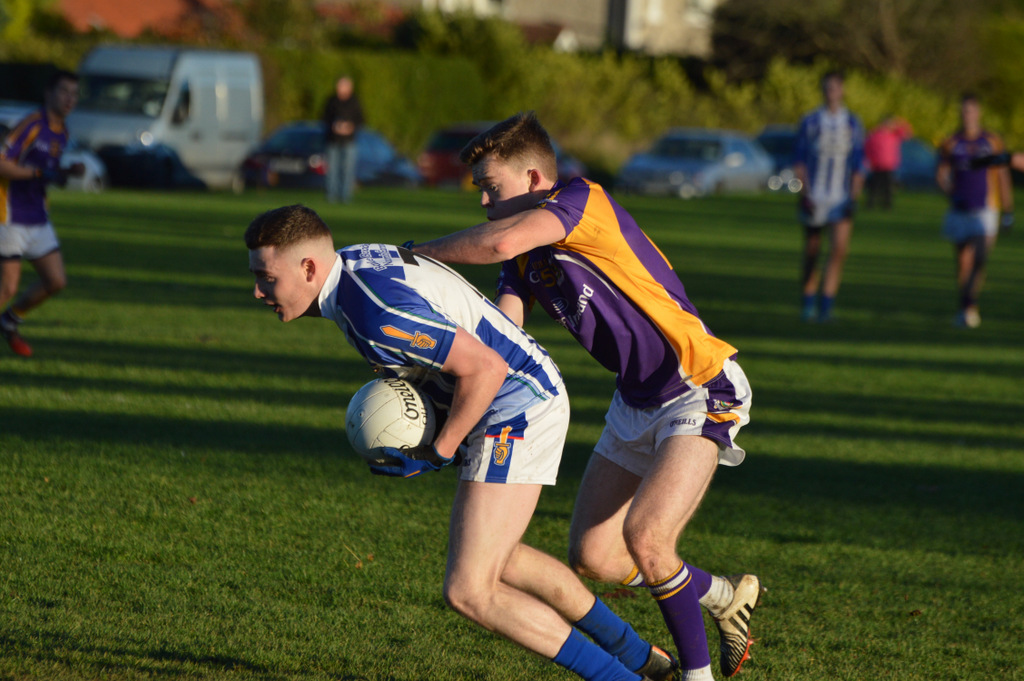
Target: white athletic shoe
{"points": [[734, 623]]}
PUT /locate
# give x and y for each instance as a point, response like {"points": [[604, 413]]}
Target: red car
{"points": [[439, 162]]}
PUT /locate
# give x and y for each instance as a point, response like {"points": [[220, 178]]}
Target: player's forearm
{"points": [[1006, 190], [471, 246], [856, 186], [484, 244], [9, 170], [473, 396]]}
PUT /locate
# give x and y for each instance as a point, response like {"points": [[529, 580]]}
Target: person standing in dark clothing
{"points": [[342, 118]]}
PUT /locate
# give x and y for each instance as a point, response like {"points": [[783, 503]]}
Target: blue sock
{"points": [[825, 307], [615, 635], [807, 307], [587, 660]]}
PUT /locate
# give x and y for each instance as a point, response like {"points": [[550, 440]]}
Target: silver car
{"points": [[689, 162]]}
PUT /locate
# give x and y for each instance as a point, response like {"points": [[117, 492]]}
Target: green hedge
{"points": [[601, 107], [404, 95]]}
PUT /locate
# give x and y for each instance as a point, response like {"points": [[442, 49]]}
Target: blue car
{"points": [[779, 141], [689, 162], [918, 161], [294, 156]]}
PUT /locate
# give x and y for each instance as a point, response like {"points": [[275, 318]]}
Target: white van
{"points": [[206, 105]]}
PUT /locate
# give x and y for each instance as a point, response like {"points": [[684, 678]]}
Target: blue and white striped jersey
{"points": [[400, 311], [831, 146]]}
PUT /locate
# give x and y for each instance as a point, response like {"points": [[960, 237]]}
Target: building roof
{"points": [[129, 18]]}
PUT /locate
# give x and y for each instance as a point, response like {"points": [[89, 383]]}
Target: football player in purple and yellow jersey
{"points": [[507, 414], [978, 191], [29, 160], [829, 160], [681, 397]]}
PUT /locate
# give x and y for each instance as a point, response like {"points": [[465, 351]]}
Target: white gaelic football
{"points": [[388, 412]]}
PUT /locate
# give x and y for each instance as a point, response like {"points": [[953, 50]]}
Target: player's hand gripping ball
{"points": [[389, 413]]}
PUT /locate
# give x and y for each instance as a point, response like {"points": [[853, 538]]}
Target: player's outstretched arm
{"points": [[497, 241], [10, 170]]}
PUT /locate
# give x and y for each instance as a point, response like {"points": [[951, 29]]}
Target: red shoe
{"points": [[17, 343]]}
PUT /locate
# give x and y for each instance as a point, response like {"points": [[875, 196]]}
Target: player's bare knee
{"points": [[465, 598], [55, 285], [643, 543], [582, 564], [7, 292]]}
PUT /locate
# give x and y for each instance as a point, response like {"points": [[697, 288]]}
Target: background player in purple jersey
{"points": [[507, 415], [29, 160], [978, 190], [829, 161], [680, 397]]}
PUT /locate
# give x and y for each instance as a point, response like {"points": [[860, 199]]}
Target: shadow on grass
{"points": [[103, 660], [885, 506]]}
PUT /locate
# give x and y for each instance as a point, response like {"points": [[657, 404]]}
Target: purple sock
{"points": [[679, 601], [701, 580]]}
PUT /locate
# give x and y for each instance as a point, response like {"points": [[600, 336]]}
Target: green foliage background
{"points": [[440, 69]]}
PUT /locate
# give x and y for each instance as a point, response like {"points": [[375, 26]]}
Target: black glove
{"points": [[990, 160], [1006, 222], [55, 176]]}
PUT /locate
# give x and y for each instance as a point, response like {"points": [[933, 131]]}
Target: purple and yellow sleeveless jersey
{"points": [[614, 290], [977, 188], [35, 144]]}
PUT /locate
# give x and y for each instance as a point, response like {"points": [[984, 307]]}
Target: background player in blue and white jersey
{"points": [[29, 160], [978, 191], [829, 160], [506, 414]]}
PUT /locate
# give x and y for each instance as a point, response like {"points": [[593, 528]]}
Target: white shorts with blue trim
{"points": [[525, 449]]}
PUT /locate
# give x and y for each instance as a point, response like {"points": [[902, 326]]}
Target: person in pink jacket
{"points": [[882, 151]]}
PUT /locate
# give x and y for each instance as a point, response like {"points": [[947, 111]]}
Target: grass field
{"points": [[177, 497]]}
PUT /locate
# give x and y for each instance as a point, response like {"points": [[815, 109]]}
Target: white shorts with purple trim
{"points": [[716, 410], [28, 242]]}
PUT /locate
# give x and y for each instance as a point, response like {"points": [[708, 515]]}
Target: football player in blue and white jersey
{"points": [[829, 161], [506, 415]]}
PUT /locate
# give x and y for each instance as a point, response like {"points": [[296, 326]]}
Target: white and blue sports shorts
{"points": [[826, 213], [963, 225], [524, 449], [716, 410], [28, 242]]}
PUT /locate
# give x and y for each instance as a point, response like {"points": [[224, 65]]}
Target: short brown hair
{"points": [[285, 226], [519, 138]]}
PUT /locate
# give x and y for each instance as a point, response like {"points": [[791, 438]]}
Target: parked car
{"points": [[294, 156], [918, 161], [204, 105], [689, 162], [779, 141], [440, 165], [94, 179]]}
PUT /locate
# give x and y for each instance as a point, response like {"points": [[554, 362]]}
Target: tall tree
{"points": [[935, 42]]}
